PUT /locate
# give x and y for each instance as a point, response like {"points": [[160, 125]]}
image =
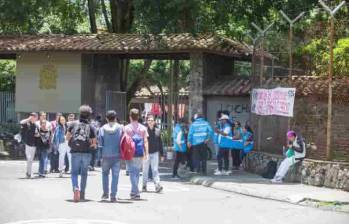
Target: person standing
{"points": [[224, 130], [109, 138], [200, 132], [62, 144], [81, 137], [29, 134], [235, 152], [295, 153], [96, 123], [139, 135], [54, 155], [43, 145], [155, 152], [180, 146]]}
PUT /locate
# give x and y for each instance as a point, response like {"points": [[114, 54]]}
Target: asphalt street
{"points": [[49, 201]]}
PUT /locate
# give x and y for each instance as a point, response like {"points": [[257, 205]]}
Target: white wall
{"points": [[239, 107], [67, 95]]}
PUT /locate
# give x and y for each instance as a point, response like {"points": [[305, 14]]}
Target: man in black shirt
{"points": [[29, 135], [82, 139]]}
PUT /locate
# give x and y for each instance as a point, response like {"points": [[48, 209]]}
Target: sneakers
{"points": [[113, 200], [144, 188], [61, 174], [76, 195], [82, 196], [218, 173], [135, 197], [159, 189], [28, 176], [226, 172], [176, 177], [276, 181], [105, 197]]}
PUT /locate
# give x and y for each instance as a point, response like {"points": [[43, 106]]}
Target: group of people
{"points": [[80, 140]]}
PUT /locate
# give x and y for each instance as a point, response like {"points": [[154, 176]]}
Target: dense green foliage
{"points": [[231, 18], [7, 75]]}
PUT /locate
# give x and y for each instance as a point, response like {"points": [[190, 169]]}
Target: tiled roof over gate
{"points": [[125, 43], [305, 86]]}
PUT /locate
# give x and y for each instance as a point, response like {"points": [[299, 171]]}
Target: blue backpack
{"points": [[139, 144]]}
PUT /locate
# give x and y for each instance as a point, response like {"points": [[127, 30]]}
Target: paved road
{"points": [[49, 200]]}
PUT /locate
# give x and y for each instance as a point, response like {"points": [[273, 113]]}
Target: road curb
{"points": [[248, 191]]}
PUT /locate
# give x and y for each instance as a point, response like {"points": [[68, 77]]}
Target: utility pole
{"points": [[253, 67], [261, 74], [290, 38], [290, 57], [262, 35], [330, 74]]}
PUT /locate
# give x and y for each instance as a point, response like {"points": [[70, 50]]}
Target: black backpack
{"points": [[270, 170], [80, 140]]}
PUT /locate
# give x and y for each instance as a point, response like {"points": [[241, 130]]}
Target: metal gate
{"points": [[7, 107], [116, 100]]}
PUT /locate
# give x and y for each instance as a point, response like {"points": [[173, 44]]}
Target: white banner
{"points": [[278, 101]]}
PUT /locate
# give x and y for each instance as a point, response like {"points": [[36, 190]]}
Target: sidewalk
{"points": [[245, 183]]}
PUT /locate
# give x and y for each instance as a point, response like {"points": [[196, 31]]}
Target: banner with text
{"points": [[278, 101]]}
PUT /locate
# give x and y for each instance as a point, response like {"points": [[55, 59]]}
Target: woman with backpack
{"points": [[180, 145], [61, 143]]}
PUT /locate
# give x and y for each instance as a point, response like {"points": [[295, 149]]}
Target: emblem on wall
{"points": [[48, 77]]}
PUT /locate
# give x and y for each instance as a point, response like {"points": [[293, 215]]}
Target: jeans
{"points": [[200, 153], [180, 158], [223, 157], [80, 162], [42, 161], [112, 164], [153, 162], [63, 150], [134, 168], [54, 158], [29, 154]]}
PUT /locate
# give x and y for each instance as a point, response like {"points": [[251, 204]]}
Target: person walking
{"points": [[43, 145], [54, 154], [29, 134], [139, 135], [200, 132], [109, 138], [294, 154], [155, 152], [96, 123], [62, 145], [224, 132], [82, 139], [235, 152], [180, 146]]}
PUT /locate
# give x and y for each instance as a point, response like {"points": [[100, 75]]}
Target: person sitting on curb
{"points": [[294, 154]]}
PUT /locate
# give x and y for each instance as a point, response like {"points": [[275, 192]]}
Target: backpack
{"points": [[270, 170], [127, 147], [80, 140], [139, 144]]}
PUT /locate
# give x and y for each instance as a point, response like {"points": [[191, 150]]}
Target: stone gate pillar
{"points": [[196, 100]]}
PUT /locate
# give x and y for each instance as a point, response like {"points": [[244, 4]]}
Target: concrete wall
{"points": [[66, 97], [239, 107], [311, 172]]}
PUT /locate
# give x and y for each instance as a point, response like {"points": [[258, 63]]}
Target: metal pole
{"points": [[261, 74], [330, 74]]}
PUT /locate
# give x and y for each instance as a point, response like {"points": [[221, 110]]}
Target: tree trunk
{"points": [[121, 15], [92, 15], [105, 15]]}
